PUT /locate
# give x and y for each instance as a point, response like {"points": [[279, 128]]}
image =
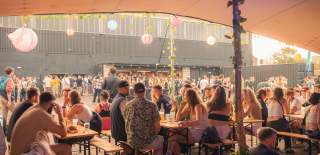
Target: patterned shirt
{"points": [[97, 82], [140, 116]]}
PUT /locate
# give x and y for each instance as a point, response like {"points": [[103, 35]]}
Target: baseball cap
{"points": [[139, 88], [123, 83]]}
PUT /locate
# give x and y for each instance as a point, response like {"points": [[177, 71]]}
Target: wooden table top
{"points": [[249, 121], [169, 125], [82, 133]]}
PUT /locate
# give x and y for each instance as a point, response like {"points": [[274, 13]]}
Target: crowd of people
{"points": [[202, 107]]}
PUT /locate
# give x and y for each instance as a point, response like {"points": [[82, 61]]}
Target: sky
{"points": [[264, 47]]}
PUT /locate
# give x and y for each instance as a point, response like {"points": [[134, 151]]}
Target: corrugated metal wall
{"points": [[82, 53], [294, 72]]}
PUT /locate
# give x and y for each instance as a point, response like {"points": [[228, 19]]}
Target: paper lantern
{"points": [[70, 32], [112, 25], [211, 40], [24, 39], [175, 21], [147, 38]]}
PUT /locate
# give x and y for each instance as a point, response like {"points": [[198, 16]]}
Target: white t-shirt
{"points": [[296, 103], [47, 82], [203, 84]]}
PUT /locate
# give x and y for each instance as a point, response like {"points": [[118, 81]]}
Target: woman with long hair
{"points": [[190, 106], [277, 108], [78, 109], [251, 106], [262, 98], [313, 117], [219, 110]]}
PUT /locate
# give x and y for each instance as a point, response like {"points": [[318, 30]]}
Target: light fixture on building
{"points": [[70, 32], [211, 40], [147, 38], [112, 25]]}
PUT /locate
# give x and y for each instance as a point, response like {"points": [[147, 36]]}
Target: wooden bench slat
{"points": [[223, 143], [105, 146], [296, 135]]}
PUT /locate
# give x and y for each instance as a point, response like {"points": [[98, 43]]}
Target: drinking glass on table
{"points": [[86, 126], [74, 122]]}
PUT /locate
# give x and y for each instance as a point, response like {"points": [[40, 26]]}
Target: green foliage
{"points": [[287, 55]]}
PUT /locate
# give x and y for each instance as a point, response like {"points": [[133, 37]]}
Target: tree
{"points": [[288, 55]]}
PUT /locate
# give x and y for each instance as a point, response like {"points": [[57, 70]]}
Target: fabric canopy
{"points": [[295, 22]]}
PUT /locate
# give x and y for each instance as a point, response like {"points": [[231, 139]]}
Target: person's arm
{"points": [[54, 127], [9, 89], [73, 111], [183, 111], [198, 111], [123, 106], [285, 106], [294, 107], [156, 118]]}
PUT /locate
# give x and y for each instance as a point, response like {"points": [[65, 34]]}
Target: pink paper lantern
{"points": [[175, 21], [147, 38], [24, 39]]}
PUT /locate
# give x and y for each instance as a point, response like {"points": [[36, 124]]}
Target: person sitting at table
{"points": [[78, 109], [251, 109], [191, 105], [160, 99], [103, 108], [277, 108], [33, 98], [142, 122], [219, 110], [262, 97], [294, 103], [66, 100], [312, 124], [267, 140], [39, 118], [208, 92], [177, 102]]}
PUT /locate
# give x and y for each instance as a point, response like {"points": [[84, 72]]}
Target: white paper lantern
{"points": [[211, 40], [147, 38], [112, 25], [24, 39], [70, 32]]}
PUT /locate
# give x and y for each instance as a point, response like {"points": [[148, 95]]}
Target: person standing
{"points": [[116, 112], [47, 83], [203, 84], [97, 82], [143, 131], [79, 83], [65, 82], [7, 93], [111, 83]]}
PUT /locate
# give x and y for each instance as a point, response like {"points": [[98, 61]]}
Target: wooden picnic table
{"points": [[82, 137]]}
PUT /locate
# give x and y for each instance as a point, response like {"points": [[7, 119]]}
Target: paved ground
{"points": [[299, 148]]}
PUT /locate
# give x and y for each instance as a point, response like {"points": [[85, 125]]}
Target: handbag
{"points": [[283, 121]]}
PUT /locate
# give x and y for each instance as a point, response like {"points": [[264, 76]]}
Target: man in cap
{"points": [[142, 122], [116, 112]]}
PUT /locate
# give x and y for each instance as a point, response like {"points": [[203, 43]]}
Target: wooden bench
{"points": [[300, 136], [219, 146], [101, 144], [107, 133], [128, 150]]}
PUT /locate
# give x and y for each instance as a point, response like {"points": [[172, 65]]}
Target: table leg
{"points": [[310, 147], [251, 134], [166, 141], [89, 148], [234, 132], [85, 148]]}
